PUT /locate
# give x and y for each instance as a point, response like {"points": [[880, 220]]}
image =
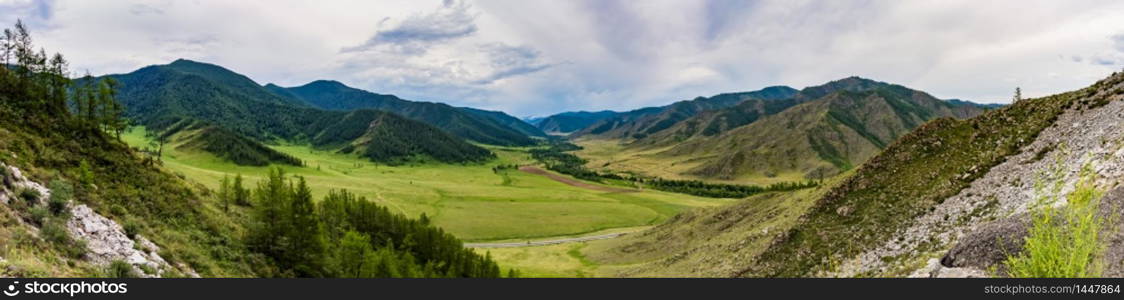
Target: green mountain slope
{"points": [[190, 134], [817, 138], [945, 173], [507, 120], [392, 139], [333, 95], [714, 122], [640, 123], [568, 122], [160, 97]]}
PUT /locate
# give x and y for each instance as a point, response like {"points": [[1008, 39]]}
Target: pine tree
{"points": [[270, 213], [305, 242], [351, 256], [241, 194], [225, 193], [1018, 94]]}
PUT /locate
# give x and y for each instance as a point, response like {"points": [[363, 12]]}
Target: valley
{"points": [[469, 200]]}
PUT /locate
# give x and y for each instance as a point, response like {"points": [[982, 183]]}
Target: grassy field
{"points": [[469, 201], [610, 155]]}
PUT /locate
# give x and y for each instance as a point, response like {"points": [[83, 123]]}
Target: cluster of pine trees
{"points": [[556, 159], [347, 236], [32, 80]]}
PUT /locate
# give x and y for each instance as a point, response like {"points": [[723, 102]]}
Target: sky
{"points": [[539, 57]]}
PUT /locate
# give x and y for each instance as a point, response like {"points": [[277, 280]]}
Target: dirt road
{"points": [[573, 182], [546, 242]]}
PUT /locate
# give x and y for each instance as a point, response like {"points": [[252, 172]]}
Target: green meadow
{"points": [[470, 201]]}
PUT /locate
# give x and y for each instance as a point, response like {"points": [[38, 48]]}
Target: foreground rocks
{"points": [[105, 240]]}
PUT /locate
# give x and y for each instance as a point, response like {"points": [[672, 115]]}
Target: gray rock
{"points": [[989, 244], [107, 242]]}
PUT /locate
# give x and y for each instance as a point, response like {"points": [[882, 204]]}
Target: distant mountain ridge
{"points": [[834, 133], [162, 96], [640, 123], [568, 122], [495, 128]]}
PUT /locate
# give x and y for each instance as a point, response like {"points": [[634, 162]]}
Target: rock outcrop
{"points": [[105, 240]]}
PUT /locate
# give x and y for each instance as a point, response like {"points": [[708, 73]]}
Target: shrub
{"points": [[29, 194], [54, 231], [39, 215], [61, 192], [120, 269], [1063, 242], [131, 227]]}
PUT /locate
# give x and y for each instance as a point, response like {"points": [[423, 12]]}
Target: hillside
{"points": [[715, 122], [640, 123], [76, 201], [191, 135], [932, 204], [394, 140], [568, 122], [832, 134], [475, 126], [160, 97], [507, 120]]}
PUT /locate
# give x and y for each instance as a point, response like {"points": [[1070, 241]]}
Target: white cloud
{"points": [[540, 57]]}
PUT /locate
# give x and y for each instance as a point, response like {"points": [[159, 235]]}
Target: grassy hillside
{"points": [[910, 177], [640, 123], [194, 135], [507, 120], [817, 138]]}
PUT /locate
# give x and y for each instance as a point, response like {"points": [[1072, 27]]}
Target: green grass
{"points": [[468, 200], [1063, 242]]}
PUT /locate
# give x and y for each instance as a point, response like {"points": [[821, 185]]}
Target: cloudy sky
{"points": [[541, 57]]}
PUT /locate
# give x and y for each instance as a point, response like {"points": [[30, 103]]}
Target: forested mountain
{"points": [[78, 202], [819, 137], [162, 96], [714, 122], [567, 122], [191, 134], [507, 120], [389, 138], [640, 123], [333, 95]]}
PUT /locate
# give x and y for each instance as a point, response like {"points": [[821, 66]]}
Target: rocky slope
{"points": [[939, 202], [105, 240], [818, 137]]}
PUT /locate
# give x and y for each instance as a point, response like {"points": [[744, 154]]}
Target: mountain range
{"points": [[186, 91]]}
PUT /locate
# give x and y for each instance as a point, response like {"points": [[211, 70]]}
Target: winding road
{"points": [[574, 182], [546, 242]]}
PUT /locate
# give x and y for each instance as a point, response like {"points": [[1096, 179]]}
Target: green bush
{"points": [[39, 214], [131, 227], [29, 194], [61, 192], [1063, 242], [120, 269], [54, 231]]}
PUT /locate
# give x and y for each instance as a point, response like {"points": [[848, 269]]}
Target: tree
{"points": [[1018, 95], [350, 258], [156, 144], [113, 113], [241, 194], [225, 193], [305, 242], [269, 213]]}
